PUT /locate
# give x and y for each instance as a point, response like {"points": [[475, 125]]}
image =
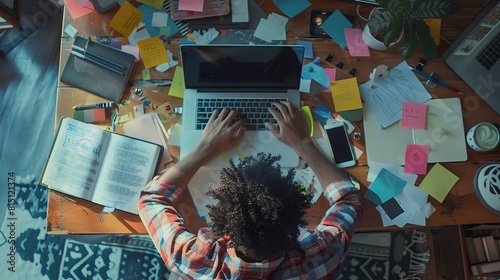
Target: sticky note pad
{"points": [[90, 116], [177, 87], [385, 186], [413, 115], [438, 182], [355, 43], [153, 52], [345, 94], [126, 19], [416, 157], [308, 48]]}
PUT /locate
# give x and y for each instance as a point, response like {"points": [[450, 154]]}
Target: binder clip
{"points": [[353, 72], [379, 72], [433, 79], [421, 64], [329, 58], [340, 65]]}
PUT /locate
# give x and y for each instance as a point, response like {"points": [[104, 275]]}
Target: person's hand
{"points": [[292, 122], [221, 133]]}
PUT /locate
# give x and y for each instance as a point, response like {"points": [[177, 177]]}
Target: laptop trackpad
{"points": [[253, 143]]}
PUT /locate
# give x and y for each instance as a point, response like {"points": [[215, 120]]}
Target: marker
{"points": [[439, 82], [94, 106]]}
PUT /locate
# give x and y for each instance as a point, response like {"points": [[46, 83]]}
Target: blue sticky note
{"points": [[314, 71], [292, 8], [334, 26], [385, 186], [308, 48], [322, 113]]}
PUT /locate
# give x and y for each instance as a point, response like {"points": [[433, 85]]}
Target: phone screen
{"points": [[340, 144]]}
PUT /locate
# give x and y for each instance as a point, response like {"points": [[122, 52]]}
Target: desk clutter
{"points": [[404, 127]]}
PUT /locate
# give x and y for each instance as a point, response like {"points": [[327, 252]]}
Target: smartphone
{"points": [[343, 155]]}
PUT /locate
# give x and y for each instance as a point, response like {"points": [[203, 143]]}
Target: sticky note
{"points": [[332, 75], [308, 48], [152, 51], [292, 8], [413, 115], [191, 5], [159, 19], [438, 182], [177, 87], [355, 43], [435, 27], [133, 50], [126, 19], [77, 10], [157, 4], [334, 26], [385, 186], [345, 94], [416, 157]]}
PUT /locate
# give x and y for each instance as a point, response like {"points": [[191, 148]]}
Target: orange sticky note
{"points": [[152, 51], [435, 26], [126, 19]]}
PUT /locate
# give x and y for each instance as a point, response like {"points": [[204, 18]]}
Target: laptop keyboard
{"points": [[490, 54], [253, 110]]}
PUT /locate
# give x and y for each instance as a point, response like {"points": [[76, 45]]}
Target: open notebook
{"points": [[444, 135]]}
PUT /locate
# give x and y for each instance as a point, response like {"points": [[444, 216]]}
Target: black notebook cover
{"points": [[94, 78]]}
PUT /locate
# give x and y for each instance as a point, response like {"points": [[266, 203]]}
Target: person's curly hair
{"points": [[258, 207]]}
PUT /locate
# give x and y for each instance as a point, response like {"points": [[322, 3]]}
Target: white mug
{"points": [[483, 137]]}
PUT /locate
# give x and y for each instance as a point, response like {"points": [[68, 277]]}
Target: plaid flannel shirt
{"points": [[205, 256]]}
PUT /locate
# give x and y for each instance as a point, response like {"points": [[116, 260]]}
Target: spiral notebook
{"points": [[98, 68]]}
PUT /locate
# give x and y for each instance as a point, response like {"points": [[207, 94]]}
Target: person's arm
{"points": [[156, 207]]}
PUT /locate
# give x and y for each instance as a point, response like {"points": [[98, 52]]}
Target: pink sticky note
{"points": [[355, 43], [76, 9], [131, 49], [414, 115], [416, 157], [191, 5], [332, 74]]}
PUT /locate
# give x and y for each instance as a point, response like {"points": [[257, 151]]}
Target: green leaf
{"points": [[434, 8], [383, 22], [393, 34], [425, 39], [410, 41]]}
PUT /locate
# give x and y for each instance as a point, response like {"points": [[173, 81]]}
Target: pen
{"points": [[441, 83], [94, 106], [96, 62], [98, 57]]}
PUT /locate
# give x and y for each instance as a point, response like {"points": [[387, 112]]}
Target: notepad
{"points": [[444, 135]]}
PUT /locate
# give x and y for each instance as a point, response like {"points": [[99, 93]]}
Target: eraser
{"points": [[91, 115]]}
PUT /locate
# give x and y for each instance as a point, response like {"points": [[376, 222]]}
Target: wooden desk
{"points": [[82, 217]]}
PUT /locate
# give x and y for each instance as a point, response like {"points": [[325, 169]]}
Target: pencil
{"points": [[91, 60], [98, 57], [441, 83]]}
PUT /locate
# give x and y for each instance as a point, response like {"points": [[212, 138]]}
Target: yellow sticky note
{"points": [[438, 182], [435, 26], [345, 94], [177, 87], [126, 19], [153, 3], [153, 52], [309, 116], [146, 74]]}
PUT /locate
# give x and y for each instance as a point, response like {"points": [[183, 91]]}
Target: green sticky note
{"points": [[153, 3], [146, 75], [177, 87], [438, 182]]}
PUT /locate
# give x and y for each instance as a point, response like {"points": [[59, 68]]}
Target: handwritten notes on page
{"points": [[385, 97], [414, 115], [438, 182], [345, 94], [126, 19], [355, 44], [152, 52]]}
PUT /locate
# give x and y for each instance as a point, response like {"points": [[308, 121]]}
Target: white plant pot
{"points": [[371, 41]]}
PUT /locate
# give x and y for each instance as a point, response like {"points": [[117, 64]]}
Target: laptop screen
{"points": [[227, 67]]}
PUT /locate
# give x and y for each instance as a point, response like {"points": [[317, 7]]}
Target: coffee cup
{"points": [[483, 137]]}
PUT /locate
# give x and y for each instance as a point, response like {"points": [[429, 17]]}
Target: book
{"points": [[483, 268], [471, 251], [444, 135], [149, 127], [490, 248], [479, 248], [98, 72], [106, 168]]}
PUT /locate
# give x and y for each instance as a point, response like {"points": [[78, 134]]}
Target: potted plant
{"points": [[403, 19]]}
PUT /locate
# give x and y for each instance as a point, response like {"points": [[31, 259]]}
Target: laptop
{"points": [[238, 77], [475, 55]]}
